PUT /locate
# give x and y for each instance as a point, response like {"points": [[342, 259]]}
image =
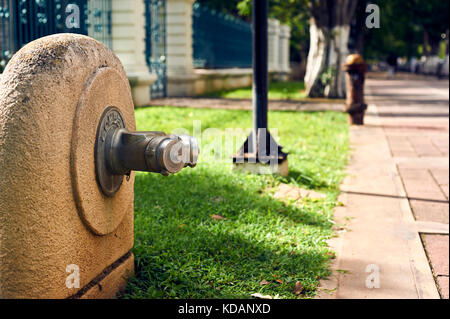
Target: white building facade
{"points": [[182, 78], [161, 43]]}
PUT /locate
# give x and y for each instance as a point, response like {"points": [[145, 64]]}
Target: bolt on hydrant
{"points": [[356, 69], [68, 153]]}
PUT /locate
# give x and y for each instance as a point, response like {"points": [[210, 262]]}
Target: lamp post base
{"points": [[266, 157], [356, 118], [263, 169]]}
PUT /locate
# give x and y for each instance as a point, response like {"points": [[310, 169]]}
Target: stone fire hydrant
{"points": [[68, 152], [356, 69]]}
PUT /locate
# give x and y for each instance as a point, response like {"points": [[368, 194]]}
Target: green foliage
{"points": [[181, 252], [442, 50], [227, 6], [431, 15], [402, 27], [245, 7], [294, 13], [327, 76]]}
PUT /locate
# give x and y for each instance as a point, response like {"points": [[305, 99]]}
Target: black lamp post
{"points": [[260, 146]]}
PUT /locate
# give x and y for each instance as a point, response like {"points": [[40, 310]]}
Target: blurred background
{"points": [[173, 48]]}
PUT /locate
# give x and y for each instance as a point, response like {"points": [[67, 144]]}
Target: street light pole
{"points": [[260, 147], [260, 64]]}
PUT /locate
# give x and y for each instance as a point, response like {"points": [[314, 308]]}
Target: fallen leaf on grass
{"points": [[264, 282], [331, 254], [261, 296], [218, 217], [279, 281], [298, 288], [344, 271], [329, 291]]}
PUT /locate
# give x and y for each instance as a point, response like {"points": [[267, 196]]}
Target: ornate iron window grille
{"points": [[155, 13], [220, 40]]}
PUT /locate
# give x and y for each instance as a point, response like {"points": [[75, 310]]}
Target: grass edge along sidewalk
{"points": [[277, 91], [212, 233]]}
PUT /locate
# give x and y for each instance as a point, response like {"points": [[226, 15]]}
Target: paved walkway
{"points": [[394, 240], [246, 104]]}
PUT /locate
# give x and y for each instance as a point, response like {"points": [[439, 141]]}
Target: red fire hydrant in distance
{"points": [[356, 69]]}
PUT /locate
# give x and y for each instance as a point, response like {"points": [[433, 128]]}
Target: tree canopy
{"points": [[408, 28], [294, 13]]}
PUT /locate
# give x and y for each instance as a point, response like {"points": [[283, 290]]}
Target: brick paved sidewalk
{"points": [[415, 119], [393, 228]]}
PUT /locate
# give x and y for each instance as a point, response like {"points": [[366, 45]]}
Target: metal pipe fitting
{"points": [[119, 151]]}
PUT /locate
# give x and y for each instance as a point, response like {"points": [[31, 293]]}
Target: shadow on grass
{"points": [[306, 180], [181, 252]]}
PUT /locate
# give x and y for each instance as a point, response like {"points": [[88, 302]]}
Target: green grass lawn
{"points": [[181, 252], [277, 91]]}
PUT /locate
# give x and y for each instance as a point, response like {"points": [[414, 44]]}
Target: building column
{"points": [[274, 42], [180, 64], [284, 53], [128, 43]]}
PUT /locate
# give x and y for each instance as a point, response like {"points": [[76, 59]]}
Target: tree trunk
{"points": [[358, 29], [426, 43], [329, 31], [316, 63], [435, 44], [304, 58]]}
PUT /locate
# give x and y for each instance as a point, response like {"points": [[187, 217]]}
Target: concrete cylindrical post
{"points": [[285, 35], [60, 236], [67, 142], [356, 69], [274, 45]]}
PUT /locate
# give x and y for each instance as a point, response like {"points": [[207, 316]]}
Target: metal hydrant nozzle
{"points": [[149, 152], [163, 154], [119, 151]]}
